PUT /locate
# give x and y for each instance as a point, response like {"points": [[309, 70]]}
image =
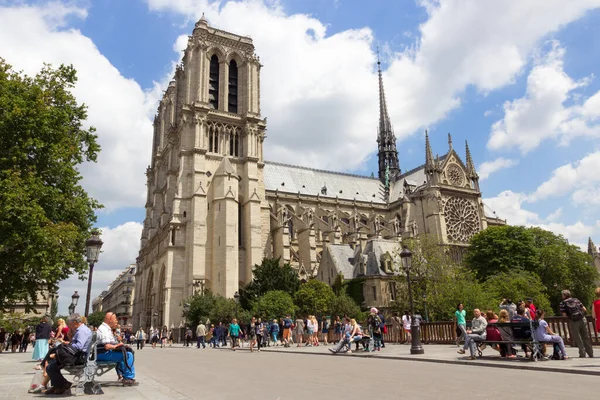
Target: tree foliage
{"points": [[45, 215], [518, 285], [274, 304], [95, 318], [559, 265], [344, 305], [268, 276], [314, 297]]}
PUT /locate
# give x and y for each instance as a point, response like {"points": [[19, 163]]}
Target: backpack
{"points": [[573, 309], [287, 323], [375, 323]]}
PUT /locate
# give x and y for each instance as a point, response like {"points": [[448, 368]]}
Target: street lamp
{"points": [[416, 347], [236, 297], [74, 301], [425, 307], [93, 246]]}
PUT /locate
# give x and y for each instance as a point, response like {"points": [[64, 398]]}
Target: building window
{"points": [[213, 83], [374, 293], [213, 141], [233, 145], [392, 287], [233, 87]]}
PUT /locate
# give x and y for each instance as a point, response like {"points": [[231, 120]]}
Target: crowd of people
{"points": [[491, 327]]}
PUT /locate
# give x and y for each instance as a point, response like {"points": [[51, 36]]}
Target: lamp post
{"points": [[425, 307], [416, 347], [74, 301], [236, 297], [93, 246]]}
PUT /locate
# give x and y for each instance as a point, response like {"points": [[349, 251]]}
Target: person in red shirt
{"points": [[596, 309], [531, 307]]}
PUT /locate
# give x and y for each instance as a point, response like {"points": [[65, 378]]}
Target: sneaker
{"points": [[460, 351], [37, 389], [332, 350]]}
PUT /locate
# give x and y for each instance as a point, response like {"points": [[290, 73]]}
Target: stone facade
{"points": [[42, 306], [215, 208], [119, 296]]}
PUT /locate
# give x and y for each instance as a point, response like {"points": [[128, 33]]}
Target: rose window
{"points": [[462, 220], [455, 175]]}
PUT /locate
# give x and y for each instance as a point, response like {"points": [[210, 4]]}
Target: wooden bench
{"points": [[84, 375], [531, 341]]}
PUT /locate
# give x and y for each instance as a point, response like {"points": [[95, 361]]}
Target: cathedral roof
{"points": [[342, 256], [295, 179]]}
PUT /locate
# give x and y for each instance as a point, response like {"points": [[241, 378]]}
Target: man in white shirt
{"points": [[200, 334], [109, 349]]}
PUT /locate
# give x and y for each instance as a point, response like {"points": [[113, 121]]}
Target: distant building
{"points": [[118, 298], [42, 306]]}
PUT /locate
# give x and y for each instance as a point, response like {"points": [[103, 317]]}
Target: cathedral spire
{"points": [[428, 154], [386, 140], [470, 166], [591, 247]]}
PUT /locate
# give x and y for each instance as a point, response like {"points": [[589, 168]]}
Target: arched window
{"points": [[233, 87], [234, 145], [213, 83]]}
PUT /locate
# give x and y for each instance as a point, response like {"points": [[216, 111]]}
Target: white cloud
{"points": [[541, 114], [508, 205], [489, 167], [580, 180], [320, 91], [120, 248], [117, 106]]}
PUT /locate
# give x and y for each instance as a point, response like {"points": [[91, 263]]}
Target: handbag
{"points": [[68, 355]]}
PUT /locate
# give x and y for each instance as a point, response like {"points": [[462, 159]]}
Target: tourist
{"points": [[492, 332], [252, 334], [325, 329], [374, 324], [155, 337], [200, 335], [170, 337], [544, 334], [260, 329], [222, 335], [274, 330], [109, 349], [310, 329], [596, 310], [461, 323], [61, 330], [572, 308], [80, 341], [234, 333], [2, 339], [406, 323], [140, 337], [506, 334], [164, 335], [42, 335], [337, 329], [299, 330], [521, 332], [382, 327], [509, 306], [475, 334], [15, 340], [287, 330], [25, 341], [531, 307], [352, 333]]}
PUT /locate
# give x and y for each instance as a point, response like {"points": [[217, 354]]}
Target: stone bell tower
{"points": [[206, 198]]}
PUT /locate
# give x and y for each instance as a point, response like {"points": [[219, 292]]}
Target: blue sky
{"points": [[518, 80]]}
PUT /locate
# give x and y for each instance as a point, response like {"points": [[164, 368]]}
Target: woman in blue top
{"points": [[234, 333], [461, 323], [544, 334]]}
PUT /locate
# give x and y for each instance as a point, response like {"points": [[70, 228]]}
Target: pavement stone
{"points": [[179, 373]]}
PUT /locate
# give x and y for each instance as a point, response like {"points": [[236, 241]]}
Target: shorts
{"points": [[287, 333], [311, 331]]}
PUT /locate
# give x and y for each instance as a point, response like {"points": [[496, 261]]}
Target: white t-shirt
{"points": [[105, 335], [406, 322]]}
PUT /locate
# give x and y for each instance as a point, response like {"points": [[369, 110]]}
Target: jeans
{"points": [[378, 341], [274, 337], [580, 334], [201, 342], [213, 342], [117, 356], [463, 332], [471, 340], [556, 339]]}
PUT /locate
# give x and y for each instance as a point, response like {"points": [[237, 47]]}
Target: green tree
{"points": [[518, 285], [558, 264], [314, 297], [45, 215], [201, 307], [224, 310], [344, 305], [274, 304], [96, 318], [268, 276]]}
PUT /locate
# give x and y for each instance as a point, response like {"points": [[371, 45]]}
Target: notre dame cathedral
{"points": [[215, 207]]}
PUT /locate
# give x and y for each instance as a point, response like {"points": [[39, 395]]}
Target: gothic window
{"points": [[233, 87], [392, 289], [374, 293], [455, 175], [213, 140], [234, 145], [240, 237], [213, 82], [462, 220]]}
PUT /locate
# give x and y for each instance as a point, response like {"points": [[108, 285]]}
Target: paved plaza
{"points": [[276, 373]]}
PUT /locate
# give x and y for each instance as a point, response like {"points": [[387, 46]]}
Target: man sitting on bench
{"points": [[111, 350], [81, 340], [477, 333]]}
